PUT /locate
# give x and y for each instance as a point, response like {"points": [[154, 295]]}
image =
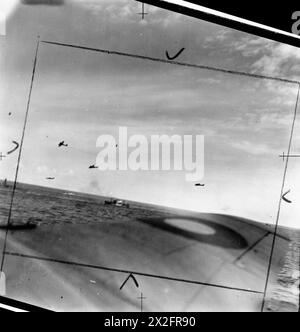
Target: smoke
{"points": [[95, 185]]}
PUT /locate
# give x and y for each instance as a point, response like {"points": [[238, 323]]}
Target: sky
{"points": [[79, 95]]}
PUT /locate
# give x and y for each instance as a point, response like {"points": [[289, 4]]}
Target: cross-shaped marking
{"points": [[142, 298], [289, 156], [143, 13], [2, 156]]}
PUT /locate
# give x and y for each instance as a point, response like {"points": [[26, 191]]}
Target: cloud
{"points": [[124, 11], [117, 9], [269, 120], [253, 148], [250, 47], [278, 60], [284, 94], [220, 36], [258, 55], [209, 80], [43, 169]]}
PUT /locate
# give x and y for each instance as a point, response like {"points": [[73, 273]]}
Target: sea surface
{"points": [[54, 206]]}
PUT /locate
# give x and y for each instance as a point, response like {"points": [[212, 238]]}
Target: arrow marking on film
{"points": [[285, 199], [134, 280], [14, 149], [175, 56]]}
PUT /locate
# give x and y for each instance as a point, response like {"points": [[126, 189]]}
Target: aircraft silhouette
{"points": [[62, 144], [93, 167]]}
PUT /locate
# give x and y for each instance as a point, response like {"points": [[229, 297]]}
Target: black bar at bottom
{"points": [[21, 305]]}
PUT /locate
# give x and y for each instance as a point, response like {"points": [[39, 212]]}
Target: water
{"points": [[53, 206]]}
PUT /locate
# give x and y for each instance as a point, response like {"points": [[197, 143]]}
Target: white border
{"points": [[189, 5], [13, 309]]}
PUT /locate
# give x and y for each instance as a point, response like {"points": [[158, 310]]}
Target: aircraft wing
{"points": [[182, 261]]}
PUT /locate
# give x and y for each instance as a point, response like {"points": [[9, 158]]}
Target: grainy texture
{"points": [[79, 228]]}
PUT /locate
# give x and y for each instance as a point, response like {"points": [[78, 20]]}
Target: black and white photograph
{"points": [[149, 158]]}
